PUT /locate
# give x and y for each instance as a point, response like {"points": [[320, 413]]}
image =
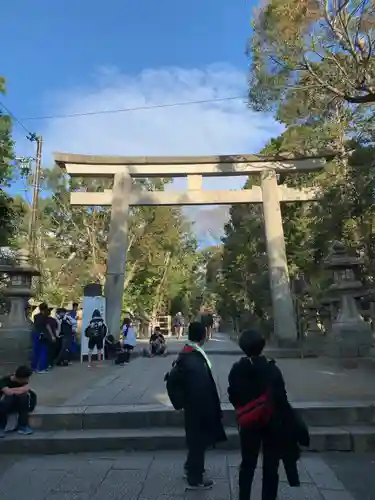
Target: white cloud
{"points": [[226, 127]]}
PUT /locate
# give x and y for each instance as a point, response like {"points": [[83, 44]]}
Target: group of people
{"points": [[53, 338], [265, 417], [207, 319]]}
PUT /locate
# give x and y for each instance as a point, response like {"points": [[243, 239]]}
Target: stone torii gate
{"points": [[123, 194]]}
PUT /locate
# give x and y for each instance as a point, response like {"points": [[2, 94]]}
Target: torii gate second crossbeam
{"points": [[123, 195]]}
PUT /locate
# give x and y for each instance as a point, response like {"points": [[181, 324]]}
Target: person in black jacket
{"points": [[249, 379], [202, 411]]}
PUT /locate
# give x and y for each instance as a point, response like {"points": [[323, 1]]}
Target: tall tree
{"points": [[8, 215], [73, 247], [314, 50]]}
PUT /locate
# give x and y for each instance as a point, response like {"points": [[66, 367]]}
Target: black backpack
{"points": [[95, 328], [175, 384]]}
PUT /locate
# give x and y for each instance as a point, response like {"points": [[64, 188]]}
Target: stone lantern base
{"points": [[349, 340], [15, 345], [350, 336]]}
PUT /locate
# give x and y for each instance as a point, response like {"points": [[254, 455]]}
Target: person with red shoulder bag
{"points": [[265, 418]]}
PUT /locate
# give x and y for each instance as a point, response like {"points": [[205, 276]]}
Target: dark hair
{"points": [[75, 304], [157, 328], [23, 372], [196, 332], [251, 342], [96, 314], [127, 321], [43, 307]]}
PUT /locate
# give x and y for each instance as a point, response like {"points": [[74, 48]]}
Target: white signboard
{"points": [[88, 307]]}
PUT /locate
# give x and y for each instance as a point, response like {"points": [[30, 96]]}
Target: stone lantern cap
{"points": [[329, 300], [18, 263], [338, 258]]}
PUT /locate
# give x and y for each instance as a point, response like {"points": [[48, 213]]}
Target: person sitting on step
{"points": [[158, 345], [16, 397]]}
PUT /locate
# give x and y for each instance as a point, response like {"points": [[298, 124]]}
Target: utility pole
{"points": [[35, 200]]}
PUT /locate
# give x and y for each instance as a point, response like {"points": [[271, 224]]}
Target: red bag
{"points": [[256, 413]]}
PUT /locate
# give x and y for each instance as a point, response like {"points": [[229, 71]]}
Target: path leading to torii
{"points": [[141, 382], [219, 344]]}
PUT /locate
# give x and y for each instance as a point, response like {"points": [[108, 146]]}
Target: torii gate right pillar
{"points": [[284, 320]]}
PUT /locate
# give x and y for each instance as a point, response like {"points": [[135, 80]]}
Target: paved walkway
{"points": [[147, 476], [220, 343], [141, 382]]}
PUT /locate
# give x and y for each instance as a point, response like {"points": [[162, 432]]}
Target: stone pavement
{"points": [[357, 472], [220, 343], [141, 382], [148, 476]]}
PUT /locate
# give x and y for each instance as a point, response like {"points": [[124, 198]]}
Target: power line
{"points": [[137, 108], [32, 137], [15, 119]]}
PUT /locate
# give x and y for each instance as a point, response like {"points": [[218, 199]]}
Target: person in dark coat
{"points": [[202, 410], [251, 377]]}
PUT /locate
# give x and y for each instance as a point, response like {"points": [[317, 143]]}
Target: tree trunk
{"points": [[160, 286]]}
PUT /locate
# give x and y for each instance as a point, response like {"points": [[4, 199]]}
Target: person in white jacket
{"points": [[129, 339]]}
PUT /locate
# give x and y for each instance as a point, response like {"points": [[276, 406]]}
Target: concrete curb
{"points": [[354, 439], [159, 416]]}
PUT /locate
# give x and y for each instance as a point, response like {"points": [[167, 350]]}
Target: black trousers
{"points": [[65, 353], [291, 471], [251, 443], [53, 351], [194, 465], [23, 405], [127, 351]]}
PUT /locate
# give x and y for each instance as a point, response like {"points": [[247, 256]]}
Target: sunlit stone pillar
{"points": [[283, 311], [117, 246]]}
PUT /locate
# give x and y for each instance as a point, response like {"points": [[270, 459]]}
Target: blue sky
{"points": [[71, 38], [85, 55]]}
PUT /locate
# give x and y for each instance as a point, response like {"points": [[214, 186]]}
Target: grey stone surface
{"points": [[321, 474], [336, 495], [162, 438], [356, 473], [158, 476], [157, 415], [141, 382]]}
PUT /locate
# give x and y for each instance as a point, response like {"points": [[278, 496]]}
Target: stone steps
{"points": [[348, 426], [351, 438], [158, 416]]}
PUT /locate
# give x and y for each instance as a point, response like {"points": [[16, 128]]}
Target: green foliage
{"points": [[72, 248], [312, 65], [8, 216], [312, 53]]}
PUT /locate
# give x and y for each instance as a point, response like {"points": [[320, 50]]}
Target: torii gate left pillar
{"points": [[117, 249]]}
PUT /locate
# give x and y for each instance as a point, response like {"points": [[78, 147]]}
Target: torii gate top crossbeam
{"points": [[181, 166]]}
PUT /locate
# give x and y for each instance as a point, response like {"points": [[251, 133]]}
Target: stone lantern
{"points": [[15, 330], [349, 335]]}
